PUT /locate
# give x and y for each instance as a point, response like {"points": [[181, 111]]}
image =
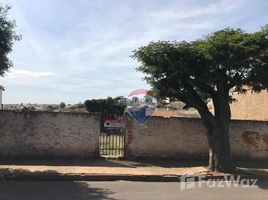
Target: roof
{"points": [[137, 92], [175, 113], [2, 88], [141, 92]]}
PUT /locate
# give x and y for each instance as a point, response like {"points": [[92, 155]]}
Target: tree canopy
{"points": [[7, 38], [192, 71]]}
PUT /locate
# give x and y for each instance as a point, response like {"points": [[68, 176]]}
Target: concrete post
{"points": [[1, 95]]}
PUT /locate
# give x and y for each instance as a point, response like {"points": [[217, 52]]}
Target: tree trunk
{"points": [[220, 159]]}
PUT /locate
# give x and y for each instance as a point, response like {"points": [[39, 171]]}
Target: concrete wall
{"points": [[249, 139], [186, 138], [48, 134]]}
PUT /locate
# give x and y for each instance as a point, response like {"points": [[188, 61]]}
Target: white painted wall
{"points": [[49, 134]]}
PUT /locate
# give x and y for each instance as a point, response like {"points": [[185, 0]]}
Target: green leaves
{"points": [[231, 54], [109, 106], [7, 38], [193, 71]]}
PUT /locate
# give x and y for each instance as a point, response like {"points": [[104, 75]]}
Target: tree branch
{"points": [[190, 97]]}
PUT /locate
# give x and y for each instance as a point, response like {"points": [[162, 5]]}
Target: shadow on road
{"points": [[258, 168], [11, 190], [263, 184]]}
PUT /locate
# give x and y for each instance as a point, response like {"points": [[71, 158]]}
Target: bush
{"points": [[62, 105]]}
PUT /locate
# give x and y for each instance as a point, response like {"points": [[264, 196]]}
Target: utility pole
{"points": [[1, 95]]}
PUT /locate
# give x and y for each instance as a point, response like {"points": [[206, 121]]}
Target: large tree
{"points": [[7, 38], [212, 67]]}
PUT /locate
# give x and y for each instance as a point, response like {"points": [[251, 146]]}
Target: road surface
{"points": [[45, 190]]}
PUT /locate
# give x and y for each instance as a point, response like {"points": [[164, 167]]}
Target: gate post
{"points": [[128, 132]]}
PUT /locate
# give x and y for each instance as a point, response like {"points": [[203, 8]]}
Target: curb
{"points": [[124, 177], [90, 177]]}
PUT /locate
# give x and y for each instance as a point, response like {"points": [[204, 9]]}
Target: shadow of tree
{"points": [[262, 184], [167, 163], [253, 173], [63, 161], [252, 163], [7, 173], [43, 190], [102, 162]]}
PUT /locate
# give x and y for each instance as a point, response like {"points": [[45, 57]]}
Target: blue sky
{"points": [[73, 50]]}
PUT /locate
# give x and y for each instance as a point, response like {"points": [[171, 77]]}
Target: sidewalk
{"points": [[108, 170]]}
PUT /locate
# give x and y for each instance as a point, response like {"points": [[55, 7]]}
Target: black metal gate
{"points": [[112, 144]]}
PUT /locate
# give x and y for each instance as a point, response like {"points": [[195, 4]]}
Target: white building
{"points": [[1, 95]]}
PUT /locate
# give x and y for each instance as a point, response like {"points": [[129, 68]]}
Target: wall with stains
{"points": [[249, 139], [48, 134], [185, 138]]}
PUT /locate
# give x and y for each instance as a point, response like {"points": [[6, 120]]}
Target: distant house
{"points": [[1, 95], [160, 112], [250, 106]]}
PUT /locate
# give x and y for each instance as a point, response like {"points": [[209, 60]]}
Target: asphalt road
{"points": [[37, 190]]}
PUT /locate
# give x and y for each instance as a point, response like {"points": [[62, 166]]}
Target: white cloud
{"points": [[192, 11], [21, 73]]}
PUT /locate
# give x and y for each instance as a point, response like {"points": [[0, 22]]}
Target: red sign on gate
{"points": [[113, 126]]}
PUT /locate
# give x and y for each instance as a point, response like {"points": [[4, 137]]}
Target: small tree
{"points": [[62, 105], [108, 107], [210, 67], [7, 38], [50, 108]]}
